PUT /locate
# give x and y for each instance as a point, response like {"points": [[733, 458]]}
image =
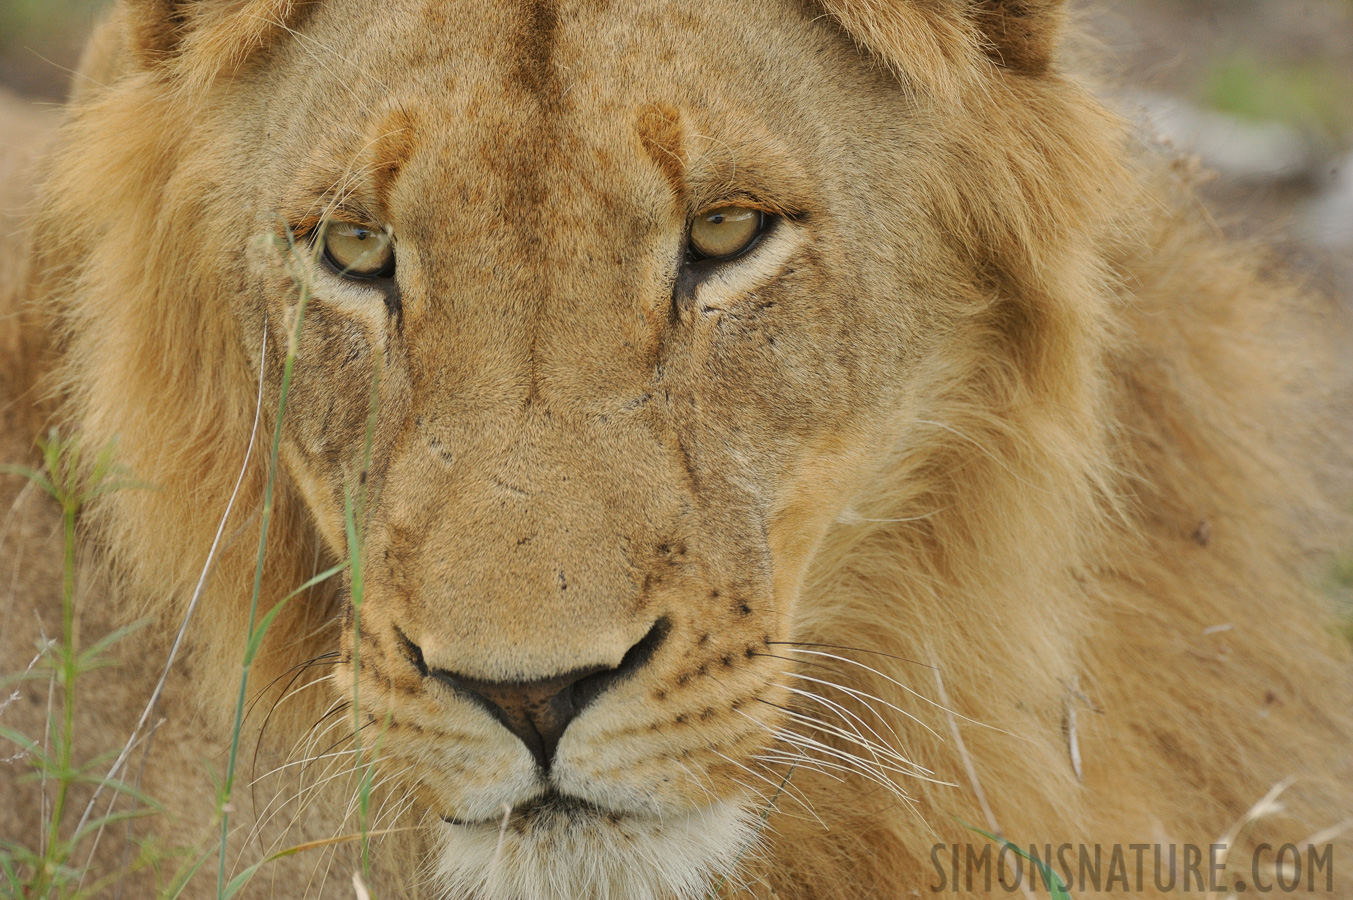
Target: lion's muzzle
{"points": [[538, 711]]}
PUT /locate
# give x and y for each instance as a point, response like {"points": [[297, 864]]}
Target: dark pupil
{"points": [[716, 219], [362, 234]]}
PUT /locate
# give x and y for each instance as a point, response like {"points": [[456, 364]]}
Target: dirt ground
{"points": [[1260, 90]]}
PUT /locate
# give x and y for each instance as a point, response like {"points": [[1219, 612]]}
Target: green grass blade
{"points": [[1056, 887]]}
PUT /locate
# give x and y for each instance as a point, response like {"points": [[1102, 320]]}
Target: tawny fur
{"points": [[995, 409]]}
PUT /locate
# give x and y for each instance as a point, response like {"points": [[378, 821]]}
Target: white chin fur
{"points": [[680, 857]]}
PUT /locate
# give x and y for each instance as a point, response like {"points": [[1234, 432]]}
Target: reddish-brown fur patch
{"points": [[660, 131]]}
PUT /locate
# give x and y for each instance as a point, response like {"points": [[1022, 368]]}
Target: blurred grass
{"points": [[1312, 96], [40, 41], [1342, 588]]}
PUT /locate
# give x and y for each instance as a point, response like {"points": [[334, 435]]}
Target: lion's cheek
{"points": [[828, 475], [344, 369], [319, 498]]}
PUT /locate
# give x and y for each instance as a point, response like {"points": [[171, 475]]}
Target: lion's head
{"points": [[611, 323]]}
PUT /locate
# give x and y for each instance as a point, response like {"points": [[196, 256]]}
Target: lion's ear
{"points": [[216, 33], [155, 28], [1019, 35]]}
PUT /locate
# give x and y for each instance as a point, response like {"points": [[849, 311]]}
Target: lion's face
{"points": [[600, 458]]}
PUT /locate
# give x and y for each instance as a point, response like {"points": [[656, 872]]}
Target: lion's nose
{"points": [[539, 711]]}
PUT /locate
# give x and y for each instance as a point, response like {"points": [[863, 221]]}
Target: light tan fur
{"points": [[991, 472]]}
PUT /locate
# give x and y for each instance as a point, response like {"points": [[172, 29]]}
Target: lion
{"points": [[739, 449]]}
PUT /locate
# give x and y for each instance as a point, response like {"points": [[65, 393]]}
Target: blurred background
{"points": [[1261, 91], [40, 41]]}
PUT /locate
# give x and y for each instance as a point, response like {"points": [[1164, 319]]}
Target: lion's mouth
{"points": [[561, 846], [549, 807]]}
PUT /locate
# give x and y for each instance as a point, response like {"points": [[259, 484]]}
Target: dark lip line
{"points": [[549, 798], [480, 823]]}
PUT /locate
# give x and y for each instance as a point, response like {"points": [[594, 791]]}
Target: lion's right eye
{"points": [[359, 251], [725, 232]]}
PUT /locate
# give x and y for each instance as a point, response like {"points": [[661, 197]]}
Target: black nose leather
{"points": [[538, 712]]}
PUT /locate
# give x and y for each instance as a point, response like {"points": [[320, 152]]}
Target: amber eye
{"points": [[726, 231], [359, 251]]}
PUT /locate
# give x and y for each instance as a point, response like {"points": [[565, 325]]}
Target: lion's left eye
{"points": [[359, 251], [725, 232]]}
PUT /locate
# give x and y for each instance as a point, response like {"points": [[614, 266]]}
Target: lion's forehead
{"points": [[548, 75], [536, 45]]}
